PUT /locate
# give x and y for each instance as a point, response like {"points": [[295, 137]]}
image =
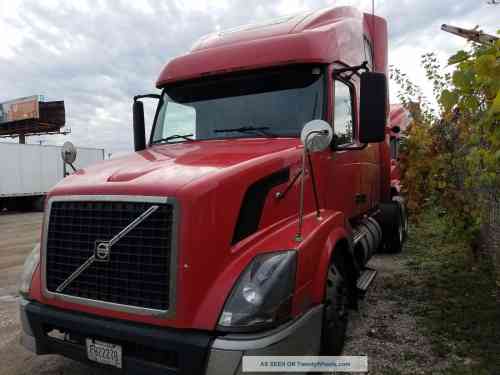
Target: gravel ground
{"points": [[385, 331], [19, 233], [381, 329]]}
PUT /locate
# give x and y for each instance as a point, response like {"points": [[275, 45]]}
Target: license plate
{"points": [[104, 352]]}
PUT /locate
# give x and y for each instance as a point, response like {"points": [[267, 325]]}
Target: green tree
{"points": [[452, 155]]}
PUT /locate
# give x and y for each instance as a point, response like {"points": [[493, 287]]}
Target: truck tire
{"points": [[404, 215], [335, 315], [390, 220]]}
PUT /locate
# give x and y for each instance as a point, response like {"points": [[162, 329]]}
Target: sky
{"points": [[96, 55]]}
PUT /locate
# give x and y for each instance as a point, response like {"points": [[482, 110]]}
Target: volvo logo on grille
{"points": [[102, 251]]}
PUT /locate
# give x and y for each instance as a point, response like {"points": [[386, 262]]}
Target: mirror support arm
{"points": [[65, 172], [313, 180], [352, 69], [281, 194], [322, 132], [152, 96], [298, 236], [306, 155]]}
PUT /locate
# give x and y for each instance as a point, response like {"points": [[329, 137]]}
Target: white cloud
{"points": [[97, 55]]}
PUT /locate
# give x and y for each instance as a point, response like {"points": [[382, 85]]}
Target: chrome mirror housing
{"points": [[316, 135], [68, 152]]}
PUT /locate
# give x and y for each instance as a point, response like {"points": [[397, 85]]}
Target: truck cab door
{"points": [[344, 191], [370, 177]]}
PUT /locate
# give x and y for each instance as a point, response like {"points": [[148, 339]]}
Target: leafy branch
{"points": [[453, 157]]}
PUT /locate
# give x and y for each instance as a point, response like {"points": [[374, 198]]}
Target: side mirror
{"points": [[373, 107], [68, 152], [68, 155], [139, 129], [316, 135]]}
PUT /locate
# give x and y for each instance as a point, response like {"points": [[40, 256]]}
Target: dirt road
{"points": [[382, 329], [18, 234], [385, 328]]}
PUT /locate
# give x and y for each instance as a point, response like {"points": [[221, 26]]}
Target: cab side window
{"points": [[343, 115], [368, 52]]}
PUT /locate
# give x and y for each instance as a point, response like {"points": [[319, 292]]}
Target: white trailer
{"points": [[28, 172]]}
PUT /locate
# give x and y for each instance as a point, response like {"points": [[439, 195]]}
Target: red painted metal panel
{"points": [[209, 178]]}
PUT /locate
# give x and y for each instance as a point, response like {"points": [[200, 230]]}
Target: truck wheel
{"points": [[404, 215], [335, 315], [390, 220]]}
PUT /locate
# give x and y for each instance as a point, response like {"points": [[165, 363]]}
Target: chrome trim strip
{"points": [[132, 225], [75, 274], [111, 305]]}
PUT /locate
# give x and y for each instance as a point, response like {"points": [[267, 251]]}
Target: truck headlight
{"points": [[262, 296], [29, 267]]}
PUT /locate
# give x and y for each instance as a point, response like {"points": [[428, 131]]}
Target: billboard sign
{"points": [[26, 108]]}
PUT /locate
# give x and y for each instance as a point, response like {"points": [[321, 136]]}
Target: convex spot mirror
{"points": [[373, 107], [316, 135], [68, 152]]}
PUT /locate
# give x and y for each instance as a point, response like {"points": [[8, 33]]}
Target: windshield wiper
{"points": [[246, 129], [175, 136]]}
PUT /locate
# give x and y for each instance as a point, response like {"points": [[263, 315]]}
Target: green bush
{"points": [[451, 156]]}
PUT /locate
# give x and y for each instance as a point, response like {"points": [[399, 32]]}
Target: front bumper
{"points": [[149, 349]]}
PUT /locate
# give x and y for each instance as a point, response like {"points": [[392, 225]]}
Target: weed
{"points": [[452, 296]]}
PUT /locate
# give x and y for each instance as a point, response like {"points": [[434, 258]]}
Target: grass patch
{"points": [[391, 371], [452, 296]]}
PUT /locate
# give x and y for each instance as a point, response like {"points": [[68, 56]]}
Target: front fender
{"points": [[314, 251], [336, 235]]}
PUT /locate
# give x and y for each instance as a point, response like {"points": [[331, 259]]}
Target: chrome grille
{"points": [[138, 272]]}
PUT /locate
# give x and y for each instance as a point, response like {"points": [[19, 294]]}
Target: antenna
{"points": [[373, 34]]}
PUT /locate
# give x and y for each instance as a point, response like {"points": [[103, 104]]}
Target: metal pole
{"points": [[298, 236]]}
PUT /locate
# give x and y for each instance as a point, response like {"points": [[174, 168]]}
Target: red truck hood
{"points": [[209, 180], [164, 169]]}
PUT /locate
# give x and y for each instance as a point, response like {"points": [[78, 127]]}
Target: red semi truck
{"points": [[245, 223]]}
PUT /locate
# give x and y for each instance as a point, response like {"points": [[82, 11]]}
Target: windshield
{"points": [[258, 104]]}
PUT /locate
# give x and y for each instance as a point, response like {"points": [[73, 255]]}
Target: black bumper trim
{"points": [[190, 347]]}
